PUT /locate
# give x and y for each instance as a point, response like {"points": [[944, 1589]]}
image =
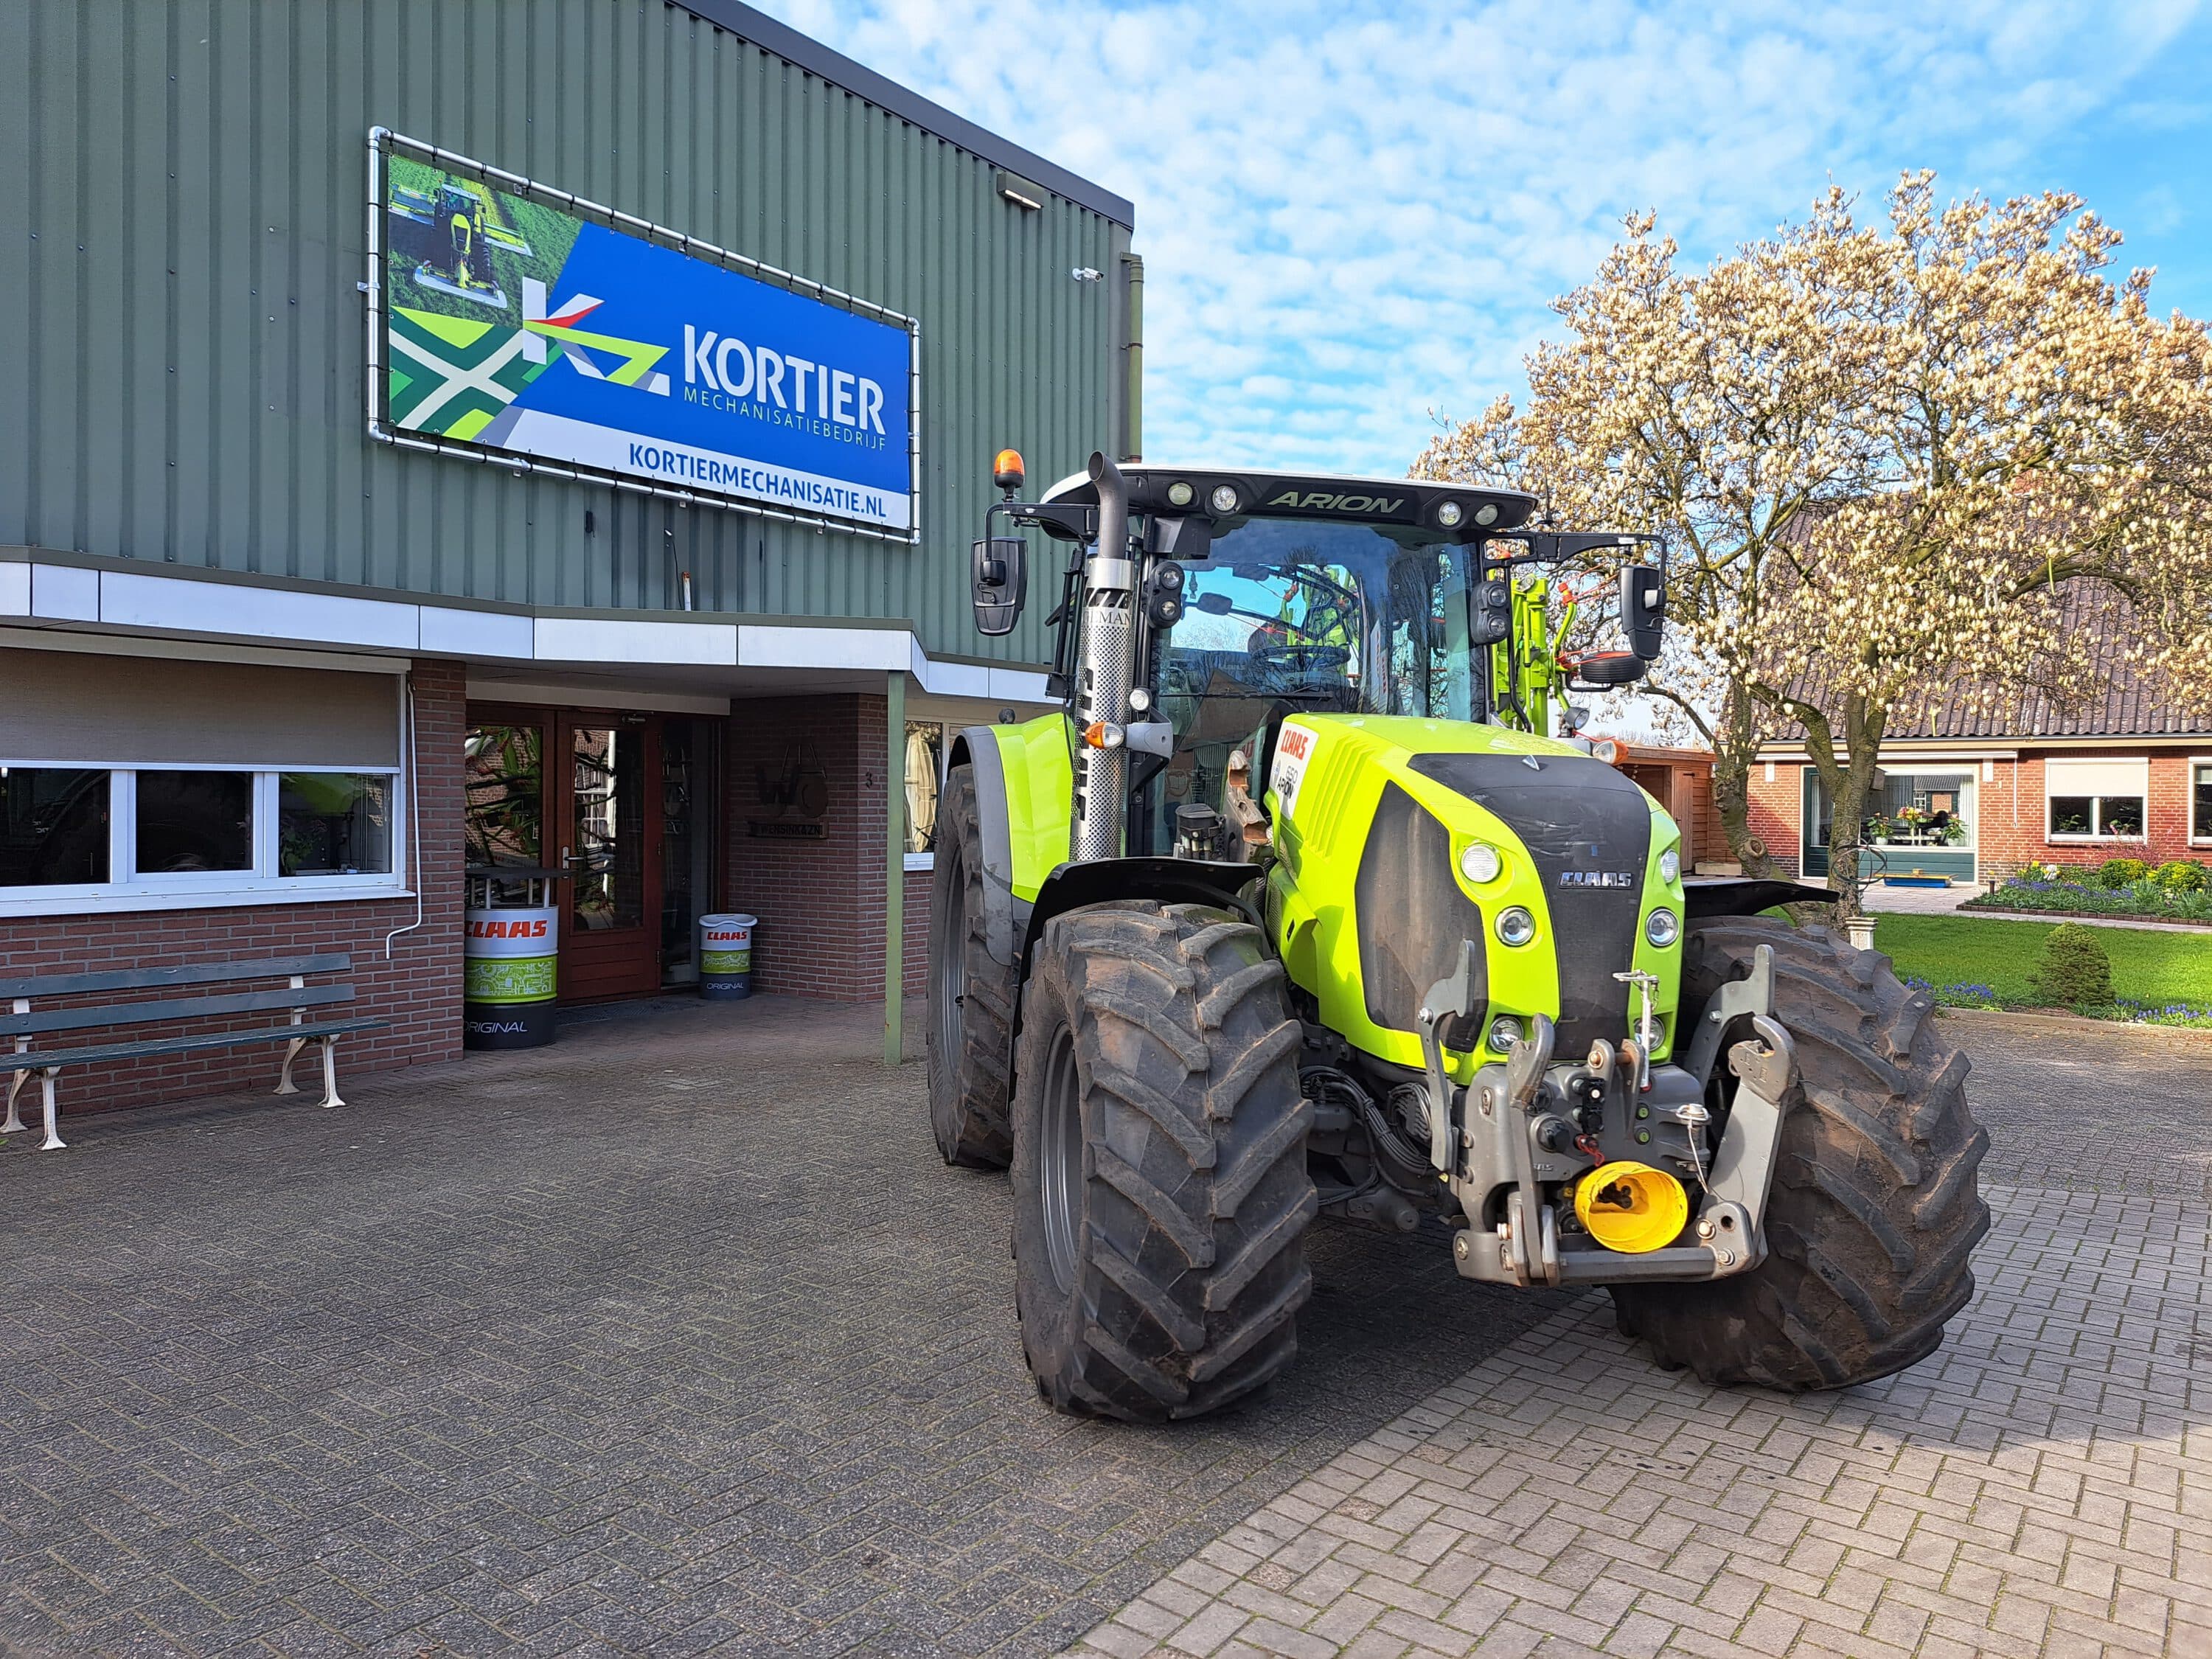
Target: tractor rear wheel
{"points": [[1161, 1198], [1874, 1208], [971, 995]]}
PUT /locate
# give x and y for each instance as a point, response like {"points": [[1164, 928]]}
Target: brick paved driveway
{"points": [[2042, 1486], [678, 1336], [675, 1335]]}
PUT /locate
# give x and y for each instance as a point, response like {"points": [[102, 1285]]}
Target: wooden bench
{"points": [[27, 1023]]}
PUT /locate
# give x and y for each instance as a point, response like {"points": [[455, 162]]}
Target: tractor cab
{"points": [[1273, 594]]}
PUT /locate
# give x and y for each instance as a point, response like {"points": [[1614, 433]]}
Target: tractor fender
{"points": [[1746, 895], [1171, 881], [1003, 920]]}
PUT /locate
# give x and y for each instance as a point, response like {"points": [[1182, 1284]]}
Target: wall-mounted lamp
{"points": [[1021, 193]]}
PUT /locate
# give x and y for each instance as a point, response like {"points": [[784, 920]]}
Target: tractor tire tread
{"points": [[1195, 1198], [1874, 1212], [970, 1084]]}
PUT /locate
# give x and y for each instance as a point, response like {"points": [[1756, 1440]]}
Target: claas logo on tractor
{"points": [[1444, 967]]}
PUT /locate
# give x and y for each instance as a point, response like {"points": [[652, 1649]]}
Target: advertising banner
{"points": [[511, 325]]}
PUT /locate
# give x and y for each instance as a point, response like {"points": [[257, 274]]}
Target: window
{"points": [[503, 803], [78, 839], [157, 782], [2095, 800], [190, 822], [2200, 800], [54, 827], [332, 824], [925, 783], [1929, 811]]}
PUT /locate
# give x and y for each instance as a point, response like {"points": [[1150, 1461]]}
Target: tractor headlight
{"points": [[1481, 862], [1516, 925], [1450, 514], [1505, 1032], [1180, 494], [1223, 500], [1663, 928], [1670, 867]]}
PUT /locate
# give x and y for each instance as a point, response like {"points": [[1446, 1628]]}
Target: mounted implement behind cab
{"points": [[1299, 908]]}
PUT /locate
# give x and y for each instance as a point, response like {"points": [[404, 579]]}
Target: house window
{"points": [[2095, 800], [333, 823], [54, 827], [1920, 811], [161, 783], [129, 837], [190, 822], [2200, 800]]}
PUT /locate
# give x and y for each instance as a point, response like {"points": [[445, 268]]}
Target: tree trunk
{"points": [[1847, 782], [1733, 756]]}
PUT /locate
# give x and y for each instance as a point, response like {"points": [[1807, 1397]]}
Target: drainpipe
{"points": [[1133, 393]]}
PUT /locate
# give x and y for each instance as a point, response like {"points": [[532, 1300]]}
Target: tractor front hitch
{"points": [[1727, 1234]]}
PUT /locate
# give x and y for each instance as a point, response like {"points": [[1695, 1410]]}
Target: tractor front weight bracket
{"points": [[1739, 999], [1727, 1237]]}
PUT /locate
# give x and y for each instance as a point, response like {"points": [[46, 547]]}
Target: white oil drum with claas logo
{"points": [[726, 956], [509, 959]]}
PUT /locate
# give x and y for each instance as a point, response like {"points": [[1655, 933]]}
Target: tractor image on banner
{"points": [[1310, 901]]}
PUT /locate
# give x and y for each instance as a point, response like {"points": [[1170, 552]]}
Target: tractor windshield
{"points": [[1289, 616]]}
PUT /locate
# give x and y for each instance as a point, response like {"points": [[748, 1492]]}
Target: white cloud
{"points": [[1352, 215]]}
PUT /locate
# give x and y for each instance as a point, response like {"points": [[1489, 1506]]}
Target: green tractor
{"points": [[1300, 908]]}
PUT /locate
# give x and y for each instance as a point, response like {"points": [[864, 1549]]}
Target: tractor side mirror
{"points": [[1001, 583], [1642, 610]]}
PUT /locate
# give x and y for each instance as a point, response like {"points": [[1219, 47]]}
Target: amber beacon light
{"points": [[1006, 469]]}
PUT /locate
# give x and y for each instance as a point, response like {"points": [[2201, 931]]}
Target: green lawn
{"points": [[2148, 966]]}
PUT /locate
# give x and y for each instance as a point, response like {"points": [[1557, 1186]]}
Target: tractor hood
{"points": [[1377, 823]]}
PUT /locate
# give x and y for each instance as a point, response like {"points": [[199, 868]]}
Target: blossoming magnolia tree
{"points": [[1879, 453]]}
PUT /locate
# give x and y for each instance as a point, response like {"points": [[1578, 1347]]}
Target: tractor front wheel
{"points": [[1874, 1208], [1161, 1198]]}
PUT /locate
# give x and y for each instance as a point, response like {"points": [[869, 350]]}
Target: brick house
{"points": [[2125, 772]]}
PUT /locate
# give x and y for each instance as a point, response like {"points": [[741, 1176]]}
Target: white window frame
{"points": [[211, 889], [2096, 837], [2196, 763]]}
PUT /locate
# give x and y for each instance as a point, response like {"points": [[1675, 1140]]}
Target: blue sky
{"points": [[1352, 216]]}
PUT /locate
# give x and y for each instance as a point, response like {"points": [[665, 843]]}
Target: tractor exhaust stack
{"points": [[1105, 672]]}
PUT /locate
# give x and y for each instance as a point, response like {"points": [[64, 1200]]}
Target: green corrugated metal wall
{"points": [[181, 233]]}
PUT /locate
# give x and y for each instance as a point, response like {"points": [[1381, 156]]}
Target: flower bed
{"points": [[1971, 995], [2178, 891]]}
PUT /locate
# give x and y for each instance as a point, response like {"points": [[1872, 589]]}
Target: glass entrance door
{"points": [[623, 803], [608, 822]]}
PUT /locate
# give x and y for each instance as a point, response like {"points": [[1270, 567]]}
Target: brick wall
{"points": [[1774, 810], [2010, 830], [821, 903], [418, 988], [917, 932]]}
